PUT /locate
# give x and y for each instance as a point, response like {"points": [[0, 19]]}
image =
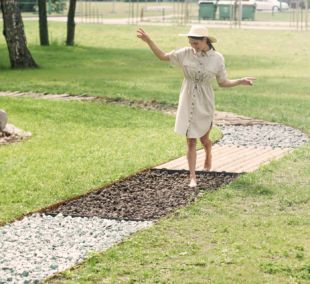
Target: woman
{"points": [[200, 63]]}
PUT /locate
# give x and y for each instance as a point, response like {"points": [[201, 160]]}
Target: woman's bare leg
{"points": [[191, 159], [207, 146]]}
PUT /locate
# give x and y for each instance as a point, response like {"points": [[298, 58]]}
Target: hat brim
{"points": [[212, 39]]}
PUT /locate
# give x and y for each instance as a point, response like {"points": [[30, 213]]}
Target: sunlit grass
{"points": [[77, 147], [255, 230], [111, 61]]}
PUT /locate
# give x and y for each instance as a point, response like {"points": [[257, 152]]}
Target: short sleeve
{"points": [[176, 57], [221, 75]]}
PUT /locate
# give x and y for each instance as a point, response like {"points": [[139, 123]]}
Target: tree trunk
{"points": [[43, 23], [13, 31], [71, 23]]}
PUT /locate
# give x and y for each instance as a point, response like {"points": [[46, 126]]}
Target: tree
{"points": [[13, 31], [71, 23], [43, 23]]}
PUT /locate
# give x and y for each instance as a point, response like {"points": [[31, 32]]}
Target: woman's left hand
{"points": [[247, 81]]}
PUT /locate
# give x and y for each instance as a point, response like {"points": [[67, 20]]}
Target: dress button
{"points": [[200, 63], [198, 71], [192, 104], [189, 121]]}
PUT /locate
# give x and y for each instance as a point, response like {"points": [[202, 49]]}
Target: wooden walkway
{"points": [[230, 159]]}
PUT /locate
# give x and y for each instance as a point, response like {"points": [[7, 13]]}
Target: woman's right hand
{"points": [[143, 35]]}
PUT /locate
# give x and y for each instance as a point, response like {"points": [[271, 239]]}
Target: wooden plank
{"points": [[244, 167], [229, 160], [182, 161], [246, 161]]}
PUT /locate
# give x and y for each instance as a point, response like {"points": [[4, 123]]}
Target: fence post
{"points": [[173, 9], [185, 12], [137, 12], [86, 11], [129, 11], [178, 11], [156, 9], [301, 18], [297, 15], [182, 14], [189, 19], [290, 13], [141, 14], [163, 14], [230, 14], [306, 17], [240, 13], [132, 12], [81, 10]]}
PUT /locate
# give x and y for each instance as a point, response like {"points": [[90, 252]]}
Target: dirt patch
{"points": [[145, 196], [162, 106], [11, 134], [8, 138]]}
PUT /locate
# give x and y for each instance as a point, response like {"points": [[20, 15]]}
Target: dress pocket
{"points": [[211, 69], [191, 68], [210, 72], [191, 64]]}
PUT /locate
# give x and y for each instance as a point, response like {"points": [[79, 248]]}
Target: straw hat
{"points": [[199, 31]]}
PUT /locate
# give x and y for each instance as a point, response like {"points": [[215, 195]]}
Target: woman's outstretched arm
{"points": [[156, 50], [232, 83]]}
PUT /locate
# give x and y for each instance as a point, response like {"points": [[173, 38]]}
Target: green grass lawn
{"points": [[111, 61], [253, 231], [77, 147]]}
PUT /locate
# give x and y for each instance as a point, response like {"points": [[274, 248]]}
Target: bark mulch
{"points": [[145, 196], [168, 108]]}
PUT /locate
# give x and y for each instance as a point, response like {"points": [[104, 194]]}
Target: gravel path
{"points": [[37, 247], [146, 196], [275, 136]]}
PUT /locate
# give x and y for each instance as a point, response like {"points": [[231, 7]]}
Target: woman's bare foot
{"points": [[193, 182]]}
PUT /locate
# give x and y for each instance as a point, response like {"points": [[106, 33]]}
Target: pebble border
{"points": [[37, 246]]}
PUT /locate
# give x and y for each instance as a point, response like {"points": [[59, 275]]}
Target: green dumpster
{"points": [[248, 11], [224, 9], [207, 9]]}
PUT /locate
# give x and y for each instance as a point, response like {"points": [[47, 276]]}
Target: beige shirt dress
{"points": [[196, 103]]}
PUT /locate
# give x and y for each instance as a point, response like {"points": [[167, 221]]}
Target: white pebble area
{"points": [[36, 247], [275, 136]]}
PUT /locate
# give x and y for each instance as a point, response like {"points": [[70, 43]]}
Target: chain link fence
{"points": [[179, 12]]}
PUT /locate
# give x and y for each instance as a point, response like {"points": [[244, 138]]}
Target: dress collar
{"points": [[207, 53]]}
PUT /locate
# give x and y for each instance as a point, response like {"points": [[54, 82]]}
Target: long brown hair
{"points": [[201, 38]]}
